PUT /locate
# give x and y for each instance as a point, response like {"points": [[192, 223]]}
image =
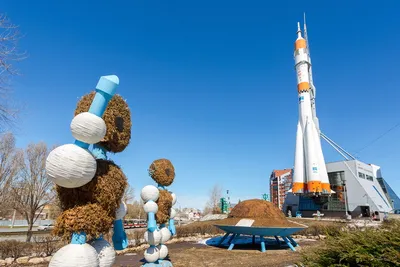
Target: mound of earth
{"points": [[264, 214]]}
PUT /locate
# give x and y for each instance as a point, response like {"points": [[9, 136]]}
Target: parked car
{"points": [[45, 227]]}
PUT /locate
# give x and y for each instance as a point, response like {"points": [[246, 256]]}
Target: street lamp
{"points": [[347, 216]]}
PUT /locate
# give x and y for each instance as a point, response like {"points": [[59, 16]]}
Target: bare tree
{"points": [[9, 168], [9, 38], [32, 191], [135, 210], [214, 199], [129, 195]]}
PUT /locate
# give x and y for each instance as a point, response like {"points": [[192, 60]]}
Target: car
{"points": [[45, 227]]}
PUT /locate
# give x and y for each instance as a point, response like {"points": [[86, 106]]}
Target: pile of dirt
{"points": [[264, 214]]}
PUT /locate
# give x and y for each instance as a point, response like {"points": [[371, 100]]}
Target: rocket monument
{"points": [[310, 176]]}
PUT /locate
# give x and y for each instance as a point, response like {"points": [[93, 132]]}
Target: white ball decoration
{"points": [[70, 166], [153, 238], [172, 213], [149, 192], [151, 254], [75, 255], [173, 198], [163, 251], [121, 211], [165, 235], [150, 206], [88, 128], [105, 251]]}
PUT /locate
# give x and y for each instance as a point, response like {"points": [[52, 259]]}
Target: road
{"points": [[20, 233], [17, 229]]}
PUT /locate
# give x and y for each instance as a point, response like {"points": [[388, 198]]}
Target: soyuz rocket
{"points": [[310, 176]]}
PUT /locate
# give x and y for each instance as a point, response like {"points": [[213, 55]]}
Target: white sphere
{"points": [[172, 213], [121, 211], [88, 128], [153, 238], [151, 254], [165, 235], [70, 166], [163, 251], [150, 206], [75, 255], [105, 251], [173, 198], [149, 192]]}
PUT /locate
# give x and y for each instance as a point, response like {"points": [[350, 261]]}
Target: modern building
{"points": [[390, 194], [280, 184], [358, 191]]}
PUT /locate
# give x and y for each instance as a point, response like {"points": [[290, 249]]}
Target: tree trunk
{"points": [[29, 233]]}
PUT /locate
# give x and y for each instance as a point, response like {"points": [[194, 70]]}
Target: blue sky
{"points": [[211, 84]]}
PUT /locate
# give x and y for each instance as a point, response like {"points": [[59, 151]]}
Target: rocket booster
{"points": [[310, 175]]}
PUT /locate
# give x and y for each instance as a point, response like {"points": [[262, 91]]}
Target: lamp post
{"points": [[347, 216]]}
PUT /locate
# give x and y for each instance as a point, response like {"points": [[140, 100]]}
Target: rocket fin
{"points": [[298, 175]]}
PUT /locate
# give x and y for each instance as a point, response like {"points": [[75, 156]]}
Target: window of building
{"points": [[370, 178], [361, 175]]}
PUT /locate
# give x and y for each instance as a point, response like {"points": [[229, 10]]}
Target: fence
{"points": [[24, 222]]}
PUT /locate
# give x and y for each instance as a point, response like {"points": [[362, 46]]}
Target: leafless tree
{"points": [[129, 195], [9, 54], [32, 190], [9, 168], [214, 199], [135, 210]]}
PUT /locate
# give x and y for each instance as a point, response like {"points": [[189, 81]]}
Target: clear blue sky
{"points": [[211, 85]]}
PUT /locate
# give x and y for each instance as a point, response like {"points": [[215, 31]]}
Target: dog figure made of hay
{"points": [[158, 206], [89, 186]]}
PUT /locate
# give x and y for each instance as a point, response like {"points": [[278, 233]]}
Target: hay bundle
{"points": [[164, 203], [162, 171], [117, 117], [106, 188], [91, 218], [264, 214]]}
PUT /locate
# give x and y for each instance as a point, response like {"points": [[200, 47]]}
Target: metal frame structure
{"points": [[277, 232]]}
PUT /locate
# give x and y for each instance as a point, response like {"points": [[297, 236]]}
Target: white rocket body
{"points": [[310, 175]]}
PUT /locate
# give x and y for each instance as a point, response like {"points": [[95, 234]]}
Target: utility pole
{"points": [[13, 219], [347, 216]]}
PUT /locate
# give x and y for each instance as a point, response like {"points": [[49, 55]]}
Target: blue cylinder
{"points": [[119, 237], [105, 90], [151, 222], [99, 152], [78, 238], [171, 226]]}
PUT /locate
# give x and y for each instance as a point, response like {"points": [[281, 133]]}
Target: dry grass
{"points": [[218, 257], [162, 171], [117, 117], [164, 203], [91, 208], [198, 228], [264, 213]]}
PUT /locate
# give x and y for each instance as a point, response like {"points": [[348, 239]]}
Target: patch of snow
{"points": [[245, 222], [213, 217]]}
